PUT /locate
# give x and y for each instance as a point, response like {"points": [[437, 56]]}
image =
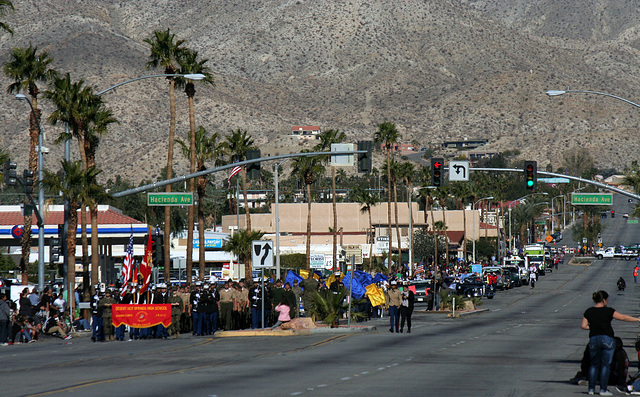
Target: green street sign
{"points": [[632, 221], [541, 222], [169, 199], [591, 198]]}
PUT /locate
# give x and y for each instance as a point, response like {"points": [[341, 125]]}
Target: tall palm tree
{"points": [[237, 145], [395, 168], [5, 7], [189, 63], [240, 243], [166, 50], [406, 174], [26, 68], [77, 185], [386, 136], [327, 138], [207, 149], [307, 169], [368, 200], [88, 118]]}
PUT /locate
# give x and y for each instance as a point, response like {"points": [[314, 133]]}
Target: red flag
{"points": [[145, 266], [234, 171]]}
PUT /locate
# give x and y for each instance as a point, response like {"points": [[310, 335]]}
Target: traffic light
{"points": [[364, 159], [530, 175], [253, 170], [9, 173], [437, 164], [55, 249], [157, 250], [28, 181]]}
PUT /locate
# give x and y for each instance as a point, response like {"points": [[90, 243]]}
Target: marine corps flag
{"points": [[145, 266]]}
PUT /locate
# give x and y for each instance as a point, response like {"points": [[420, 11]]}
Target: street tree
{"points": [[165, 51], [240, 244], [78, 186], [190, 64], [327, 138], [206, 149], [387, 135], [307, 169], [26, 68]]}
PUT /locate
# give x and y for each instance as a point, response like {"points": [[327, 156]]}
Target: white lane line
{"points": [[345, 378]]}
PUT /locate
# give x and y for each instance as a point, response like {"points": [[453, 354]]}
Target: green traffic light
{"points": [[530, 183]]}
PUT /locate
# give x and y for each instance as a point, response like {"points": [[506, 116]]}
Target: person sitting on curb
{"points": [[55, 325], [283, 309]]}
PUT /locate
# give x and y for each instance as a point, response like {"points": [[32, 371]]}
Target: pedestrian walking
{"points": [[597, 320], [635, 273], [394, 300]]}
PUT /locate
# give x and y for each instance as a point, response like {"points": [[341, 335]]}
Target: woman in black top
{"points": [[597, 320]]}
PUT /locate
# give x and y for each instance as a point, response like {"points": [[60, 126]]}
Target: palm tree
{"points": [[237, 145], [76, 185], [327, 138], [386, 136], [165, 53], [395, 168], [367, 199], [5, 7], [406, 173], [206, 149], [307, 169], [88, 118], [240, 244], [27, 68], [189, 63]]}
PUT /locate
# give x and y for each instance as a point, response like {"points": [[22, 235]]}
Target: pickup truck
{"points": [[611, 252]]}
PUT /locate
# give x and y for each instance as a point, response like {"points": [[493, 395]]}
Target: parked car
{"points": [[421, 289], [474, 287]]}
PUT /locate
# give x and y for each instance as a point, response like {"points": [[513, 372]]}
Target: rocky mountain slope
{"points": [[441, 70]]}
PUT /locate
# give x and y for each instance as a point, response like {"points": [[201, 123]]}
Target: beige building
{"points": [[354, 228]]}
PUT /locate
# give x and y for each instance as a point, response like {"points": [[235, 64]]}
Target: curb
{"points": [[296, 332]]}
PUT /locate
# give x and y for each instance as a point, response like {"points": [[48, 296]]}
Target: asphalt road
{"points": [[528, 343]]}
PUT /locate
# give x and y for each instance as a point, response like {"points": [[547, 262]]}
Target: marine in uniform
{"points": [[177, 307], [227, 296], [105, 304]]}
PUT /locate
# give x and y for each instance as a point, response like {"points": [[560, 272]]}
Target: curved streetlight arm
{"points": [[196, 76], [561, 92]]}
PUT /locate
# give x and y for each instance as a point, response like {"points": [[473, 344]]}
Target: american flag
{"points": [[127, 267], [234, 171], [420, 268]]}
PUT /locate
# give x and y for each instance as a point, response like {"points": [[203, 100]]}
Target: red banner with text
{"points": [[141, 316]]}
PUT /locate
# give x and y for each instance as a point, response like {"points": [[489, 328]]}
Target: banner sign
{"points": [[141, 316], [208, 243]]}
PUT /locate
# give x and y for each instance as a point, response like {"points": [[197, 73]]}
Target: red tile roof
{"points": [[108, 217]]}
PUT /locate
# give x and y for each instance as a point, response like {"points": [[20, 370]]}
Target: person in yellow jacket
{"points": [[394, 299]]}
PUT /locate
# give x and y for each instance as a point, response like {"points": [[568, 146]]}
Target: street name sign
{"points": [[458, 170], [169, 199], [591, 198], [262, 253]]}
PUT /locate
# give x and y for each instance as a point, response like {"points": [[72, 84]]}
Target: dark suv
{"points": [[421, 289]]}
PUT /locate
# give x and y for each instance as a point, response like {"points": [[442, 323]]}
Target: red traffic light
{"points": [[437, 165]]}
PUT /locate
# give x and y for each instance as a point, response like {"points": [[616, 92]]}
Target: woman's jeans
{"points": [[601, 348]]}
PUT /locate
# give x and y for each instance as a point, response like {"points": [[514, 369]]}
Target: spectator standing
{"points": [[406, 307], [5, 320], [597, 320], [393, 302], [26, 308]]}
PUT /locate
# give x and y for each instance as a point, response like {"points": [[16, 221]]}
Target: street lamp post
{"points": [[22, 97], [473, 208], [277, 194], [552, 212], [562, 92]]}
